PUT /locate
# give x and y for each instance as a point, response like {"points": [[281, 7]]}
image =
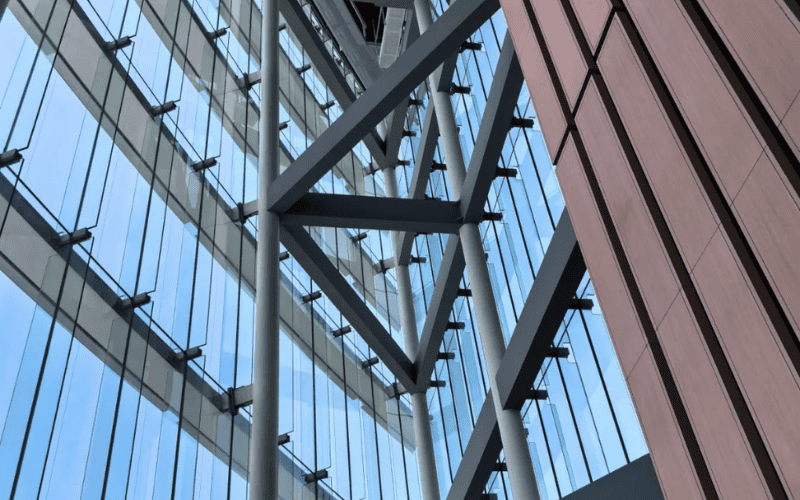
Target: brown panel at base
{"points": [[592, 15], [766, 44], [670, 457], [771, 219], [729, 458], [543, 95], [567, 58], [726, 137], [672, 179], [752, 349], [612, 293], [644, 249]]}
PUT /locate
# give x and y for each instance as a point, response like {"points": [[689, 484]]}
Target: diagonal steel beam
{"points": [[444, 295], [556, 284], [492, 133], [544, 310], [331, 73], [324, 273], [394, 85], [370, 212]]}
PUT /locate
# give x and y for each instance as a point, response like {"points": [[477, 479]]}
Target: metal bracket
{"points": [[455, 325], [117, 44], [409, 133], [582, 304], [315, 476], [189, 354], [283, 125], [303, 69], [284, 439], [463, 292], [10, 157], [238, 214], [492, 216], [418, 260], [327, 105], [384, 265], [470, 46], [311, 296], [163, 108], [438, 383], [249, 80], [394, 391], [537, 395], [359, 237], [521, 122], [459, 89], [505, 172], [341, 331], [238, 397], [403, 163], [446, 355], [283, 256], [213, 35], [415, 102], [558, 352], [73, 238], [204, 164], [500, 467], [438, 166], [282, 27], [369, 362], [139, 300]]}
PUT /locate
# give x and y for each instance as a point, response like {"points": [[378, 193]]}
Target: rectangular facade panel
{"points": [[726, 137], [673, 466], [645, 251], [677, 189], [771, 59], [563, 47], [769, 227], [722, 440], [764, 375], [612, 293]]}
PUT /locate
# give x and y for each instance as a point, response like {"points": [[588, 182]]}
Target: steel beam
{"points": [[324, 273], [558, 279], [394, 85], [492, 133], [635, 480], [370, 212], [330, 72], [556, 284], [444, 295]]}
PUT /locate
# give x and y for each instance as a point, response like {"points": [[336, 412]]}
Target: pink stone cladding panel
{"points": [[722, 440], [725, 136], [612, 292], [644, 248], [672, 179], [664, 439], [518, 23], [752, 349], [592, 16]]}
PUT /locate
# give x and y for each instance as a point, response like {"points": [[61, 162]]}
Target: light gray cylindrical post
{"points": [[423, 439], [512, 430], [263, 464]]}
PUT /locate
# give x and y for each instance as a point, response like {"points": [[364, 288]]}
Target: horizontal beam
{"points": [[324, 273], [635, 480], [551, 295], [370, 212], [395, 84], [444, 295], [327, 68], [492, 133]]}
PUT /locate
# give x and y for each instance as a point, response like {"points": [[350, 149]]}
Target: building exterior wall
{"points": [[672, 126]]}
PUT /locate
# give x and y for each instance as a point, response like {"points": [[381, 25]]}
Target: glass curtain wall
{"points": [[97, 396]]}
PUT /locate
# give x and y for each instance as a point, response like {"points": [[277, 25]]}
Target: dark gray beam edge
{"points": [[559, 276], [479, 458], [301, 26], [635, 480], [394, 85], [370, 212], [319, 267], [558, 279], [444, 295], [492, 133]]}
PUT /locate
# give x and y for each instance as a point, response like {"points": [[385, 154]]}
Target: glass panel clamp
{"points": [[463, 292], [582, 304], [327, 105], [188, 355], [446, 355], [505, 172], [303, 69], [418, 260], [283, 125], [558, 352], [249, 80], [384, 265], [213, 35], [311, 297], [282, 27], [438, 166], [10, 157], [163, 108], [491, 496], [500, 467], [455, 325], [470, 46], [409, 133], [537, 395], [369, 362], [459, 89], [341, 331], [415, 102], [284, 439], [139, 300], [235, 398], [492, 216], [117, 44], [73, 238], [359, 237], [241, 212], [403, 163], [283, 256], [521, 122], [204, 164], [315, 476], [438, 383]]}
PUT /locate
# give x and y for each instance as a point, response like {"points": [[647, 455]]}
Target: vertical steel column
{"points": [[419, 403], [263, 463], [512, 431]]}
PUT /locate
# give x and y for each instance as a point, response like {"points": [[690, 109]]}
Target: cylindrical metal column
{"points": [[419, 404], [263, 464], [512, 430]]}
